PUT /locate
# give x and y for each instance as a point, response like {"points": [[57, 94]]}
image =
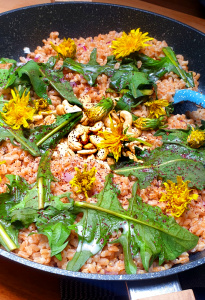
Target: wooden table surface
{"points": [[18, 282]]}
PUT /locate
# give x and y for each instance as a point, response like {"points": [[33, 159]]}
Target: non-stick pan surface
{"points": [[26, 27]]}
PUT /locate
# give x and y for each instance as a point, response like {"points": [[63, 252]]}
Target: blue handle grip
{"points": [[195, 97]]}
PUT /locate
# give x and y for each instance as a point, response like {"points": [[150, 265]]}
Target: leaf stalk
{"points": [[21, 141], [7, 240], [114, 213], [41, 141], [40, 193]]}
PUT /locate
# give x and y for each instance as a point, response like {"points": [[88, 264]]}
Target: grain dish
{"points": [[91, 146]]}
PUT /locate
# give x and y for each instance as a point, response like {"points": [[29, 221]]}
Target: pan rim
{"points": [[127, 277], [80, 275], [101, 4]]}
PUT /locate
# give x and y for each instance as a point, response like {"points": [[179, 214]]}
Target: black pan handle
{"points": [[153, 287]]}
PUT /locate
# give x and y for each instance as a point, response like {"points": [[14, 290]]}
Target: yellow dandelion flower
{"points": [[113, 140], [177, 196], [149, 124], [156, 108], [83, 180], [196, 138], [66, 49], [100, 110], [17, 112], [129, 43], [40, 104]]}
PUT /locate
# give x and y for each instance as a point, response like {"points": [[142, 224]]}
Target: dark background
{"points": [[190, 7], [49, 286]]}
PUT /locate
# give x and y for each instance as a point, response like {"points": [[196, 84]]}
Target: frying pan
{"points": [[26, 27]]}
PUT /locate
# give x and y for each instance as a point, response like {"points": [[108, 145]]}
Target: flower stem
{"points": [[7, 240]]}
